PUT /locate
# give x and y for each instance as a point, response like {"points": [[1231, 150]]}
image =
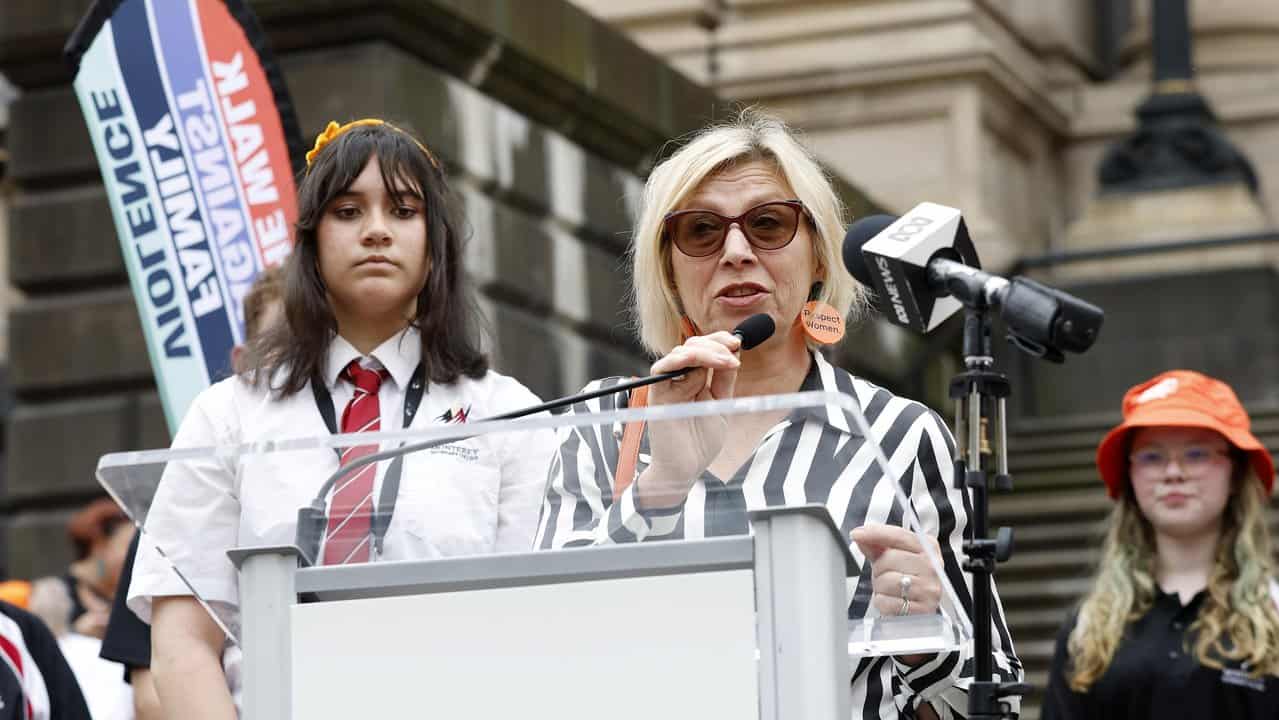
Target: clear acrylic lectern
{"points": [[508, 570]]}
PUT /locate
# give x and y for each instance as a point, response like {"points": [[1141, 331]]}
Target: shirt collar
{"points": [[1174, 599], [399, 354], [822, 377]]}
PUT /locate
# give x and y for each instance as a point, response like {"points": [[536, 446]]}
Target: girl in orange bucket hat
{"points": [[1181, 619]]}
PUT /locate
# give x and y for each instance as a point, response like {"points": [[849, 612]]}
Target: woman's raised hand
{"points": [[682, 449]]}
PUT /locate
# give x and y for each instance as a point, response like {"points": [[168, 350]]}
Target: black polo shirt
{"points": [[1155, 674], [128, 639]]}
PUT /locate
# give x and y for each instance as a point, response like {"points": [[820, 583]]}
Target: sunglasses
{"points": [[701, 233]]}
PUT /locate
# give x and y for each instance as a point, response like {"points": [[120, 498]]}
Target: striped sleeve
{"points": [[944, 510], [579, 508]]}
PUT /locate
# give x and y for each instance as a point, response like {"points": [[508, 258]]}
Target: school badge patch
{"points": [[455, 415]]}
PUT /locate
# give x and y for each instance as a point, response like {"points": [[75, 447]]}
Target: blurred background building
{"points": [[1025, 114], [1135, 168]]}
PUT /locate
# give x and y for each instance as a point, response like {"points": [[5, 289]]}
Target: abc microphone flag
{"points": [[896, 261], [198, 145]]}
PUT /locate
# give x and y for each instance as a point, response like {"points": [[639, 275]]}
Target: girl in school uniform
{"points": [[380, 335]]}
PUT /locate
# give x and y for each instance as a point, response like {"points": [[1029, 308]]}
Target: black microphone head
{"points": [[755, 330], [858, 234]]}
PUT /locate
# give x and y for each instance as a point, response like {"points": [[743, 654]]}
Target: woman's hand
{"points": [[682, 449], [903, 579]]}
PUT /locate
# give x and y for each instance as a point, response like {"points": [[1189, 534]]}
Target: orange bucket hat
{"points": [[1181, 398]]}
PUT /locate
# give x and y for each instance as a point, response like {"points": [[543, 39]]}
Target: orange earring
{"points": [[821, 322]]}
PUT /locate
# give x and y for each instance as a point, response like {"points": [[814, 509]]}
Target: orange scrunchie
{"points": [[333, 130]]}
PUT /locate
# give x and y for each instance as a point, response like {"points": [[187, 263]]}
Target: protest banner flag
{"points": [[198, 145]]}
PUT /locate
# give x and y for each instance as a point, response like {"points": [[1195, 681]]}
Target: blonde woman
{"points": [[742, 221], [1181, 620]]}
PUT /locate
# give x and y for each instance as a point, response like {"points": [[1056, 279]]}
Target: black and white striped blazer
{"points": [[811, 456]]}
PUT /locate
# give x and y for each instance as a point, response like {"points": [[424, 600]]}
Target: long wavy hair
{"points": [[294, 352], [1238, 620]]}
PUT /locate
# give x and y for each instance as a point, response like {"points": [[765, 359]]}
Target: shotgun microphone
{"points": [[924, 268]]}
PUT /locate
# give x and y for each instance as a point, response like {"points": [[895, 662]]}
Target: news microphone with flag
{"points": [[312, 519], [893, 255], [924, 268]]}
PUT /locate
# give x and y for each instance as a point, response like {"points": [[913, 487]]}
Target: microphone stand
{"points": [[980, 394]]}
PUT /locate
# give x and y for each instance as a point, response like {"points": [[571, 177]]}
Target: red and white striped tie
{"points": [[347, 539]]}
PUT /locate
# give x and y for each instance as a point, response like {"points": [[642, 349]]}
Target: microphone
{"points": [[893, 256], [924, 266], [312, 520], [753, 331]]}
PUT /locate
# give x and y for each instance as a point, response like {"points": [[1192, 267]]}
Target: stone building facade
{"points": [[548, 114], [1008, 109], [545, 117]]}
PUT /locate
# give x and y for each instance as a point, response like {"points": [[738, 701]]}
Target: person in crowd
{"points": [[99, 533], [742, 220], [263, 309], [36, 683], [1181, 618], [128, 640], [380, 332], [16, 592], [75, 606]]}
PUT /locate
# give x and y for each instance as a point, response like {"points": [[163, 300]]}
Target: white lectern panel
{"points": [[614, 649]]}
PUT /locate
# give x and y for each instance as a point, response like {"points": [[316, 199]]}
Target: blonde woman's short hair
{"points": [[751, 136]]}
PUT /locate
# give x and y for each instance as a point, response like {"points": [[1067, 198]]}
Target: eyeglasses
{"points": [[700, 233], [1190, 459]]}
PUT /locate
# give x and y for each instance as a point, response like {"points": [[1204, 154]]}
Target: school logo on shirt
{"points": [[1241, 678], [455, 415]]}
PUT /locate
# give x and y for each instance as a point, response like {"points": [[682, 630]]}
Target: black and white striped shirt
{"points": [[811, 456]]}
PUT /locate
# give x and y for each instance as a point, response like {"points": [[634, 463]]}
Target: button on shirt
{"points": [[1155, 674], [473, 496]]}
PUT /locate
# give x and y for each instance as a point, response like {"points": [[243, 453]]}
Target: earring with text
{"points": [[821, 322]]}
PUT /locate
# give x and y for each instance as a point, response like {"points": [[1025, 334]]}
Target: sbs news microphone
{"points": [[312, 519], [924, 268]]}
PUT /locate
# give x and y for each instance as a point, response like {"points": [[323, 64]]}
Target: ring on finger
{"points": [[905, 588]]}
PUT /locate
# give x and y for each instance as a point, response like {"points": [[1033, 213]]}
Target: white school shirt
{"points": [[101, 681], [476, 496]]}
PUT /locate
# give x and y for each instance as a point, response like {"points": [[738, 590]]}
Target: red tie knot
{"points": [[363, 378]]}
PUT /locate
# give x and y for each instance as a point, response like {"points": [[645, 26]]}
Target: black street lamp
{"points": [[1178, 143]]}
